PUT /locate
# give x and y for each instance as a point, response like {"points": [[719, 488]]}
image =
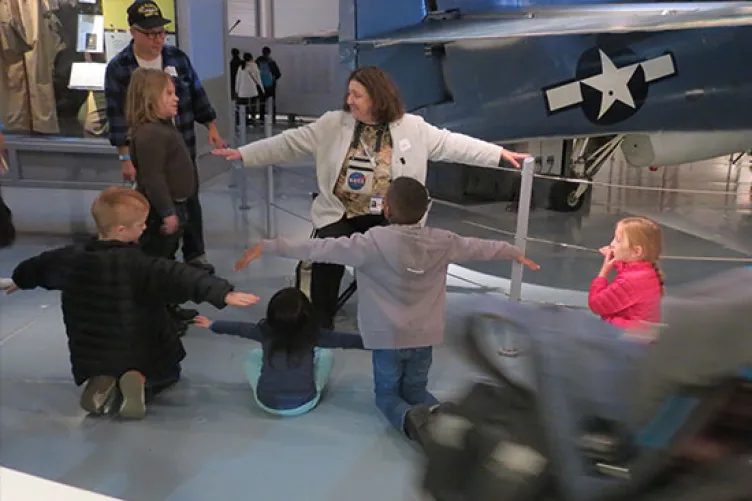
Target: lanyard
{"points": [[359, 139]]}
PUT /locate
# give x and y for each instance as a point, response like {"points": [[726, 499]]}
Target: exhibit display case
{"points": [[54, 54]]}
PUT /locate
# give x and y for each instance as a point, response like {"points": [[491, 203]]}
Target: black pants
{"points": [[155, 243], [7, 230], [193, 234], [326, 278], [268, 92], [251, 109], [157, 384]]}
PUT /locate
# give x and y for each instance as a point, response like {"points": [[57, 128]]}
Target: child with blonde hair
{"points": [[633, 300], [114, 300], [164, 169]]}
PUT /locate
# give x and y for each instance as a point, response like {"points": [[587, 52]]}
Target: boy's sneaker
{"points": [[6, 283], [132, 389], [416, 420], [97, 392]]}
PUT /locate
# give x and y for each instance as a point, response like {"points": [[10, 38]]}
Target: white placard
{"points": [[90, 33], [87, 76]]}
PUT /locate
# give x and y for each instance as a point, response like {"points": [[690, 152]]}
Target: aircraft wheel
{"points": [[563, 197]]}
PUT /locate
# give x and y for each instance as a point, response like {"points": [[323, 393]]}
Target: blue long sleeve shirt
{"points": [[286, 382]]}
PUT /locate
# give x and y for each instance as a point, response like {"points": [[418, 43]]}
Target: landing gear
{"points": [[588, 156], [566, 196]]}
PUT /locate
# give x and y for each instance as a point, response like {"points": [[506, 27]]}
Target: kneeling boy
{"points": [[114, 301]]}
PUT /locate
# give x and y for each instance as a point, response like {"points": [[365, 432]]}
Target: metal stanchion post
{"points": [[520, 240], [242, 180], [233, 120], [271, 228], [523, 216]]}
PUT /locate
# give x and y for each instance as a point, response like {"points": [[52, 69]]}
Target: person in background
{"points": [[7, 229], [148, 50], [121, 335], [288, 374], [633, 300], [357, 152], [402, 270], [270, 74], [235, 63], [248, 86]]}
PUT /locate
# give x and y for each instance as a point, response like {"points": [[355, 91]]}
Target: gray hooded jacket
{"points": [[401, 272]]}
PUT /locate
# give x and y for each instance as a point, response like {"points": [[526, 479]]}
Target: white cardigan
{"points": [[415, 142], [247, 80]]}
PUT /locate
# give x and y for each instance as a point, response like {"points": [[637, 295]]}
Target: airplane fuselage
{"points": [[695, 80]]}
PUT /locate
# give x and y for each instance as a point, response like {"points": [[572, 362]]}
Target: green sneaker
{"points": [[96, 394], [132, 389]]}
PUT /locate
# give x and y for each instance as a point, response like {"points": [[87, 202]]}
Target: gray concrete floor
{"points": [[205, 439]]}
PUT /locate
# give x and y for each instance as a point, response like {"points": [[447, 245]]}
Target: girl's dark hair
{"points": [[293, 324], [247, 57]]}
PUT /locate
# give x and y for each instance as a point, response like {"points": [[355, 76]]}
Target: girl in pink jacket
{"points": [[634, 297]]}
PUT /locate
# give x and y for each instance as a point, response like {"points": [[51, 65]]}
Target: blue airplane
{"points": [[570, 81]]}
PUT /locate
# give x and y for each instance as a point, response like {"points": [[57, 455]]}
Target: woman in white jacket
{"points": [[248, 85], [358, 151]]}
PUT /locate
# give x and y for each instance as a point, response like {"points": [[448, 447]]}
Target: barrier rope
{"points": [[597, 251]]}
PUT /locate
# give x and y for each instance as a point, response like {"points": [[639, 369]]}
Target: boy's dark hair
{"points": [[294, 327], [235, 52], [266, 51], [408, 201]]}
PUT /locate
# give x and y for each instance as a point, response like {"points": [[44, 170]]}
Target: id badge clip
{"points": [[377, 205]]}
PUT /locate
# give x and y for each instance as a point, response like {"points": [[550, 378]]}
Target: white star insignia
{"points": [[612, 83]]}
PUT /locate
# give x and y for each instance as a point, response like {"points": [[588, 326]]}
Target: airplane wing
{"points": [[574, 20], [319, 37]]}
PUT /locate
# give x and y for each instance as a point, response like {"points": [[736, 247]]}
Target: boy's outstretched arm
{"points": [[49, 270], [177, 283], [479, 249], [348, 251]]}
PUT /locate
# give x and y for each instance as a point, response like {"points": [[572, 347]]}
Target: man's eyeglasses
{"points": [[153, 34]]}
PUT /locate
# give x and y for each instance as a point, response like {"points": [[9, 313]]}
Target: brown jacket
{"points": [[164, 169]]}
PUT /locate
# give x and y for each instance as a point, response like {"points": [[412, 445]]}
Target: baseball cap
{"points": [[146, 14]]}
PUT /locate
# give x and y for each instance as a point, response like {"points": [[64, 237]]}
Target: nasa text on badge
{"points": [[356, 181]]}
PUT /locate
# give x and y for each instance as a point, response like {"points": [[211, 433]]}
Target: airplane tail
{"points": [[416, 70]]}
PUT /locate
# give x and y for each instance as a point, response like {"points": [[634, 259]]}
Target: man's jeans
{"points": [[400, 378]]}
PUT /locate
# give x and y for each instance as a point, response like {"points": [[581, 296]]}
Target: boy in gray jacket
{"points": [[401, 272]]}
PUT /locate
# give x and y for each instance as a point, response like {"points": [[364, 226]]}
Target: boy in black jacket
{"points": [[114, 301]]}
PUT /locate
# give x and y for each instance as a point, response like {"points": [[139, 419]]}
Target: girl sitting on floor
{"points": [[290, 371]]}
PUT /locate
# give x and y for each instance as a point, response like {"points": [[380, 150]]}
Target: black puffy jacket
{"points": [[114, 301]]}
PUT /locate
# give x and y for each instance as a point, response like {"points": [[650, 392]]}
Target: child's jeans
{"points": [[323, 361], [400, 378]]}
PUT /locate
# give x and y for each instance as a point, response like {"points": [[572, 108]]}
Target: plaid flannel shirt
{"points": [[193, 104]]}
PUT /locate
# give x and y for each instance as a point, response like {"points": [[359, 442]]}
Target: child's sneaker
{"points": [[96, 393], [132, 389], [6, 283]]}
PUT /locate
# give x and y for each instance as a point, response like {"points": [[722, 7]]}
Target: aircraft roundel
{"points": [[609, 85]]}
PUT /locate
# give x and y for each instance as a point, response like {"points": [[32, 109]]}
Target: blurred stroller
{"points": [[584, 413]]}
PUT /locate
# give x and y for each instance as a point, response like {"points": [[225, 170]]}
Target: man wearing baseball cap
{"points": [[148, 50]]}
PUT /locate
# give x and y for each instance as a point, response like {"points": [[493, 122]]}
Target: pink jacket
{"points": [[633, 297]]}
